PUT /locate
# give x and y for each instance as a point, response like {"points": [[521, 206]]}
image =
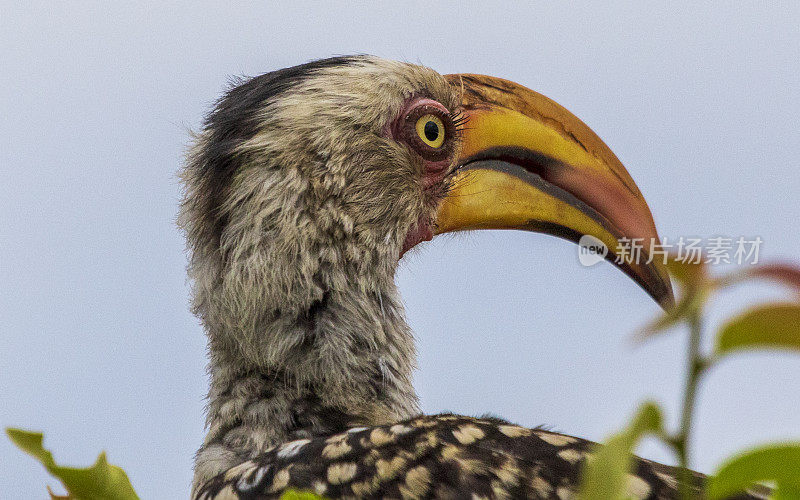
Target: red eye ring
{"points": [[406, 129]]}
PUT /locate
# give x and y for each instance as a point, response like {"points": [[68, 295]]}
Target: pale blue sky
{"points": [[98, 347]]}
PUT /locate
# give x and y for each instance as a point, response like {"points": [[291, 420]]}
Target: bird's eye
{"points": [[427, 127], [430, 130]]}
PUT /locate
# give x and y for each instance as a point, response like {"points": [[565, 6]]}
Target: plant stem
{"points": [[696, 365]]}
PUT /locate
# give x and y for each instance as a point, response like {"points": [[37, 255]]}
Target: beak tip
{"points": [[662, 292], [667, 300]]}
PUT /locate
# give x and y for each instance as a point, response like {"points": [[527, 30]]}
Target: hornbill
{"points": [[302, 191]]}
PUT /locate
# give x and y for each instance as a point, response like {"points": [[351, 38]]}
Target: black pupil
{"points": [[431, 131]]}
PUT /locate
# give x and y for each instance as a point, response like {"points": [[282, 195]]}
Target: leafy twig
{"points": [[696, 364]]}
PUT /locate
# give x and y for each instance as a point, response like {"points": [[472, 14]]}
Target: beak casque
{"points": [[528, 163]]}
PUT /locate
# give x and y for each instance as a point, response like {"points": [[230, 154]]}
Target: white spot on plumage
{"points": [[571, 455], [417, 481], [292, 448], [564, 493], [239, 470], [337, 448], [320, 488], [387, 469], [514, 431], [556, 439], [467, 434], [249, 481], [379, 437], [541, 486], [638, 487], [280, 480], [341, 473], [400, 429]]}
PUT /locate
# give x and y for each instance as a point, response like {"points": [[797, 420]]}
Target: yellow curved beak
{"points": [[528, 163]]}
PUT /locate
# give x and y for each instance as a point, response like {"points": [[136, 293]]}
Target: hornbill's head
{"points": [[312, 181]]}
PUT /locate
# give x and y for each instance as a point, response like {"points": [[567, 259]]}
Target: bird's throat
{"points": [[346, 362]]}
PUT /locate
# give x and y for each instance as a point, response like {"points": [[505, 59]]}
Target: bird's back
{"points": [[439, 456]]}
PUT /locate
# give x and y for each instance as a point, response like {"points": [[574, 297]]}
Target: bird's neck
{"points": [[343, 358]]}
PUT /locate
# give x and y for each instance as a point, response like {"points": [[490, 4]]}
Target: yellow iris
{"points": [[431, 130]]}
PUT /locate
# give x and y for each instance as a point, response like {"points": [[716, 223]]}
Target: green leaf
{"points": [[300, 495], [774, 326], [605, 473], [779, 463], [100, 481]]}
